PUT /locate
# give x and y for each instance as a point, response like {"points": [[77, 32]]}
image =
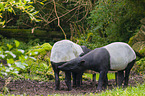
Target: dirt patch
{"points": [[44, 88]]}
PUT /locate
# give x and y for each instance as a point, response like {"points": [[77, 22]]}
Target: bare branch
{"points": [[58, 19], [61, 15], [9, 20]]}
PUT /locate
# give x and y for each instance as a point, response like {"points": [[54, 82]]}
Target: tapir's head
{"points": [[85, 49], [75, 65]]}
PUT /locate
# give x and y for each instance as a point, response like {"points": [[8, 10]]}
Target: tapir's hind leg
{"points": [[127, 72], [119, 77], [105, 82], [94, 79], [102, 79]]}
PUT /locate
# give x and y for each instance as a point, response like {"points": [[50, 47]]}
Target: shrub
{"points": [[139, 67], [112, 20], [42, 65], [14, 59]]}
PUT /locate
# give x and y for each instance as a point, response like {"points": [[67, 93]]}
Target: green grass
{"points": [[110, 76], [129, 91]]}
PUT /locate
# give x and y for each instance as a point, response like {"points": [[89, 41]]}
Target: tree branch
{"points": [[58, 19], [61, 15]]}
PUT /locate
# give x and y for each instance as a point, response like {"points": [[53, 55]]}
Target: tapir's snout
{"points": [[64, 67]]}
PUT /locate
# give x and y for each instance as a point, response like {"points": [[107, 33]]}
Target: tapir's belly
{"points": [[120, 55]]}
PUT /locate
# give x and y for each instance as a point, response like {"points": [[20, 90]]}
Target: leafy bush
{"points": [[114, 20], [14, 59], [22, 45], [91, 41], [41, 52], [139, 67], [33, 62], [42, 65]]}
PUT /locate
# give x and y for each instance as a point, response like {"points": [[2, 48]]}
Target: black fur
{"points": [[99, 61]]}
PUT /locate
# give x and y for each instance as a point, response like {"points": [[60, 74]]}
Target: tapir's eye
{"points": [[81, 63]]}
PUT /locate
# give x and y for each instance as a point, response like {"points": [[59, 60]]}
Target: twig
{"points": [[62, 15], [9, 20], [58, 19]]}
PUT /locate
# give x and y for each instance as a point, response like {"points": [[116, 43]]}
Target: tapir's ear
{"points": [[81, 54], [81, 62]]}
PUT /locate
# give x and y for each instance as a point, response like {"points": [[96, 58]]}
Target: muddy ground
{"points": [[32, 88]]}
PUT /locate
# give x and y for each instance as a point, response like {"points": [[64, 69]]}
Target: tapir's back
{"points": [[65, 50], [120, 55]]}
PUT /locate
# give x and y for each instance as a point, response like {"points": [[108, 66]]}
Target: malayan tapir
{"points": [[116, 56], [63, 51]]}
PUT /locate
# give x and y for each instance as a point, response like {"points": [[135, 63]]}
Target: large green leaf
{"points": [[17, 43]]}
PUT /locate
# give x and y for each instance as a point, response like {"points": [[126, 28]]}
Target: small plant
{"points": [[42, 66], [140, 66], [14, 59]]}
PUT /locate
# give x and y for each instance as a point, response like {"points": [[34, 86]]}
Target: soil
{"points": [[32, 88]]}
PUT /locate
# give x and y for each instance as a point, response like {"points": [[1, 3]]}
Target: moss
{"points": [[41, 52], [26, 35], [89, 37], [46, 46], [139, 47], [142, 51], [139, 67], [131, 41]]}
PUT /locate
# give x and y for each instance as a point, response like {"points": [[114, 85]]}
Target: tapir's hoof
{"points": [[99, 90]]}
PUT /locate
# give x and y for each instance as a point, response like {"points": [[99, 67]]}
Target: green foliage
{"points": [[129, 91], [8, 43], [33, 64], [113, 20], [41, 52], [142, 51], [11, 5], [42, 65], [14, 59], [90, 40], [139, 67]]}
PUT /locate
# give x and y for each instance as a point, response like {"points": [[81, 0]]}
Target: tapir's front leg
{"points": [[102, 78], [68, 79], [57, 81], [56, 73], [74, 79], [77, 79]]}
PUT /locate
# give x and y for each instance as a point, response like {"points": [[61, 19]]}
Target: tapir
{"points": [[62, 52], [117, 56]]}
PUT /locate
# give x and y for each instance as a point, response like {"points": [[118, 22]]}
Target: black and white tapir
{"points": [[63, 51], [116, 56]]}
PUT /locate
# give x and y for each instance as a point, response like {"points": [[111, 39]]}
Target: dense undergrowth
{"points": [[33, 63], [27, 60]]}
